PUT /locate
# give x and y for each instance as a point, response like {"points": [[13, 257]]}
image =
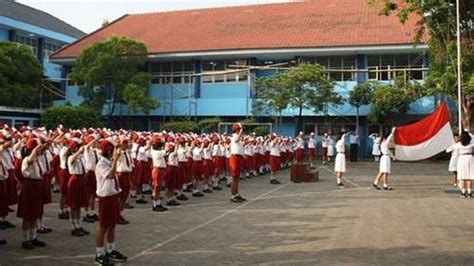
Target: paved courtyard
{"points": [[289, 224]]}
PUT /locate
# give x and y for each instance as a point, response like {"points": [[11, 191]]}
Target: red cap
{"points": [[236, 126], [105, 145], [31, 143], [72, 144]]}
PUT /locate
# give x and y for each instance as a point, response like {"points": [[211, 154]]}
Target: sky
{"points": [[88, 15]]}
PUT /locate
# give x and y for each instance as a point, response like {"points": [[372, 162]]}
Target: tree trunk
{"points": [[357, 120], [466, 107], [300, 118]]}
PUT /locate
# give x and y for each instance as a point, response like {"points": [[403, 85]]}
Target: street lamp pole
{"points": [[458, 33]]}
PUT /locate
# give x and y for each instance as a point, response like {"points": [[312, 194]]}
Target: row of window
{"points": [[380, 66], [32, 43]]}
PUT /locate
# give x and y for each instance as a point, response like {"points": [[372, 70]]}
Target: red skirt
{"points": [[311, 152], [299, 155], [208, 168], [125, 184], [198, 170], [157, 175], [12, 188], [249, 163], [274, 163], [171, 177], [3, 199], [91, 182], [147, 174], [189, 170], [181, 175], [47, 196], [63, 180], [109, 211], [217, 165], [30, 205], [17, 167], [78, 192], [55, 168], [140, 173], [235, 165]]}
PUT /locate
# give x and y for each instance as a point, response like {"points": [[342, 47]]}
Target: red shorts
{"points": [[12, 188], [311, 152], [249, 163], [140, 173], [171, 177], [78, 192], [299, 155], [235, 165], [109, 211], [63, 179], [198, 170], [325, 151], [208, 168], [125, 184], [189, 170], [217, 165], [91, 182], [3, 199], [157, 175], [30, 205], [274, 163], [181, 175]]}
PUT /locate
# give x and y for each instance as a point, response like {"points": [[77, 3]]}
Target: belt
{"points": [[341, 152], [465, 154]]}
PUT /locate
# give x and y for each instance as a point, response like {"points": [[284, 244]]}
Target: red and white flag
{"points": [[425, 138]]}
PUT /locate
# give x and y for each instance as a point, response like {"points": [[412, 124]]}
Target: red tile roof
{"points": [[312, 24]]}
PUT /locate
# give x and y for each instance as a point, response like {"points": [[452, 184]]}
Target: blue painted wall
{"points": [[3, 34]]}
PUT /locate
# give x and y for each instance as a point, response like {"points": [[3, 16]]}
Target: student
{"points": [[299, 148], [90, 161], [236, 161], [465, 164], [331, 148], [384, 168], [354, 146], [340, 163], [108, 190], [312, 149], [9, 194], [124, 172], [274, 159], [376, 146], [30, 206], [325, 148], [197, 169], [453, 161], [158, 172], [141, 169]]}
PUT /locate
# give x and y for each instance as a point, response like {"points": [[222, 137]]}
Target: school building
{"points": [[43, 34], [205, 62]]}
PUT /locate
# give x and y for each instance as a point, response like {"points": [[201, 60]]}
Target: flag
{"points": [[424, 138]]}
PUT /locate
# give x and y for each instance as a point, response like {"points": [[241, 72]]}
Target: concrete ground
{"points": [[289, 224]]}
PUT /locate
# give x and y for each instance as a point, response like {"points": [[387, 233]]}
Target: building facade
{"points": [[204, 63], [43, 34]]}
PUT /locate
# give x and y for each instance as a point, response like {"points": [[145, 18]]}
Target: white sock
{"points": [[468, 191], [154, 203], [26, 235], [73, 223], [158, 202], [100, 251], [32, 234], [110, 247]]}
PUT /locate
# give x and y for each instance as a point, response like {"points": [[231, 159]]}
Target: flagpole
{"points": [[459, 68]]}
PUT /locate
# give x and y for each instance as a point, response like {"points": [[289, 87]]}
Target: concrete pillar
{"points": [[361, 63], [40, 49], [197, 79]]}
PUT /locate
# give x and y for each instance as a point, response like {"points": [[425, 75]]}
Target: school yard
{"points": [[290, 224]]}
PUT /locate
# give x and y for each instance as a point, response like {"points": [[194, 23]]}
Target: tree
{"points": [[305, 86], [111, 71], [70, 117], [438, 20], [270, 97], [361, 95], [20, 76], [390, 100]]}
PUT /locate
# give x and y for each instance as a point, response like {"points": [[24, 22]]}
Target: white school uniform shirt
{"points": [[206, 153], [353, 139], [76, 168], [325, 142], [236, 145], [299, 144], [227, 152], [182, 154], [312, 143], [8, 159], [134, 151], [173, 158], [44, 161], [106, 187], [125, 162], [222, 150], [90, 159], [32, 170], [142, 154], [248, 150], [62, 158], [158, 158], [340, 146], [216, 151], [274, 149], [197, 154], [3, 172]]}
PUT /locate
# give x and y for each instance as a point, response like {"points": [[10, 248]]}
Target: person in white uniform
{"points": [[340, 163], [376, 146], [465, 164], [453, 161], [331, 144], [385, 163]]}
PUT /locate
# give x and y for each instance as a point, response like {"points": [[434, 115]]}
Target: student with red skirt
{"points": [[44, 159], [30, 205], [108, 191], [124, 175], [77, 189], [208, 166], [182, 171], [8, 185], [171, 171]]}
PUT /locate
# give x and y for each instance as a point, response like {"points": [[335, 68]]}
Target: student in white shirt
{"points": [[236, 162], [312, 149], [108, 190], [453, 161], [340, 162], [385, 163], [158, 171]]}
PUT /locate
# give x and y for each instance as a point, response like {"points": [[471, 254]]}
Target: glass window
{"points": [[177, 79], [231, 77], [155, 68], [348, 63], [335, 63], [166, 67], [188, 66], [322, 60]]}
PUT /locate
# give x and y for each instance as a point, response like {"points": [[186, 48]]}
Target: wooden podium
{"points": [[302, 173]]}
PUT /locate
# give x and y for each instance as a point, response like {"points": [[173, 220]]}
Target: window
{"points": [[171, 72], [50, 48], [29, 42], [387, 66], [223, 65]]}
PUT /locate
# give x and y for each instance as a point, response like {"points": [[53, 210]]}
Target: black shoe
{"points": [[275, 182], [141, 201], [63, 216], [198, 194], [85, 232], [3, 242], [182, 197], [123, 221], [236, 200], [27, 245], [241, 198], [159, 208], [88, 219], [116, 256], [77, 232], [173, 203], [38, 243], [55, 190], [128, 206], [469, 195], [340, 184], [227, 185], [375, 186], [133, 196], [387, 188], [207, 190], [95, 216], [187, 190], [44, 230], [10, 209], [463, 195], [216, 188], [103, 260], [147, 192], [7, 224]]}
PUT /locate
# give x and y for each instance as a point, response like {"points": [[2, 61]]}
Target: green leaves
{"points": [[362, 94], [112, 70], [70, 117], [20, 76]]}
